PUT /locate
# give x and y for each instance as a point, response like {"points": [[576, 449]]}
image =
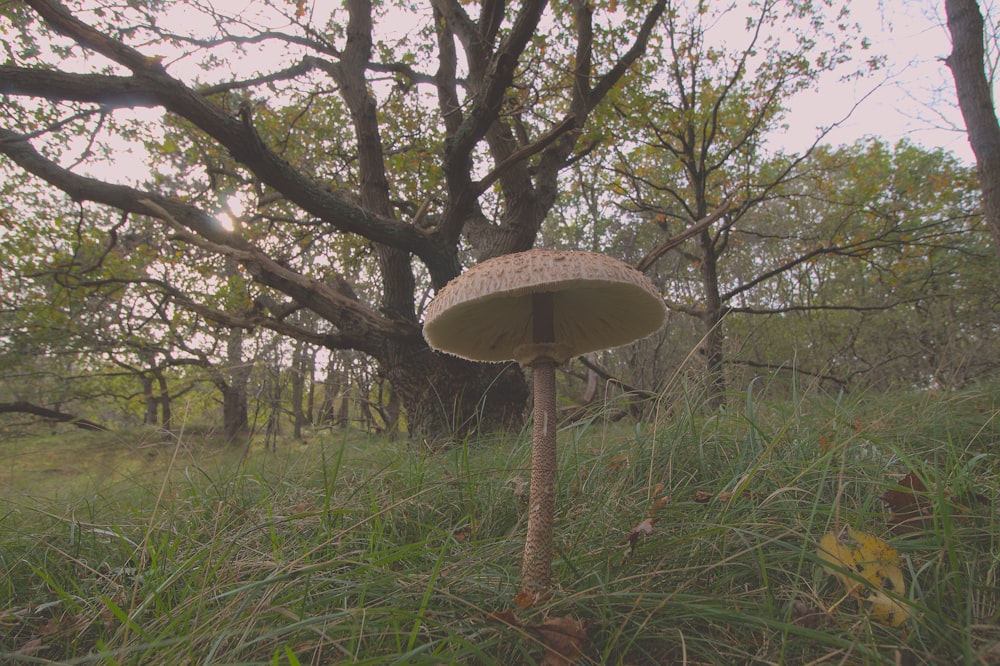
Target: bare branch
{"points": [[525, 152], [656, 253]]}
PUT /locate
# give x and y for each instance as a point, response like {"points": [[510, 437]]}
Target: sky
{"points": [[912, 98]]}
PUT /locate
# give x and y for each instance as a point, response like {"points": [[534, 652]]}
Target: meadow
{"points": [[685, 537]]}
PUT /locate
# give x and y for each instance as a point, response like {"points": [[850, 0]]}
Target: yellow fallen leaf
{"points": [[868, 568], [887, 610], [840, 557]]}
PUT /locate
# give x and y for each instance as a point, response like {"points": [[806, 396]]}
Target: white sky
{"points": [[913, 97]]}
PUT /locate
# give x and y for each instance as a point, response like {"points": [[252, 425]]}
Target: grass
{"points": [[352, 549]]}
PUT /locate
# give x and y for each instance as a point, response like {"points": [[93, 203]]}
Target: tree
{"points": [[303, 369], [701, 121], [975, 99], [402, 152]]}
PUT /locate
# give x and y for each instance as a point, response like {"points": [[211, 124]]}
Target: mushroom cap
{"points": [[485, 314]]}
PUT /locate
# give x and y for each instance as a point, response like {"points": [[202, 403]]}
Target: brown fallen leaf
{"points": [[505, 616], [644, 527], [659, 503], [909, 505], [51, 626], [912, 506], [525, 599], [618, 462], [703, 496], [565, 639]]}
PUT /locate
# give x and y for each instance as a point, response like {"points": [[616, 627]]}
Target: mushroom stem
{"points": [[536, 567]]}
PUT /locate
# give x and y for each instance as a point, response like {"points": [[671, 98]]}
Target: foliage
{"points": [[690, 154], [873, 256]]}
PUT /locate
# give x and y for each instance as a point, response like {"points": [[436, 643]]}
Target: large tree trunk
{"points": [[301, 362], [235, 420], [444, 394], [152, 413], [166, 412], [234, 413], [968, 67], [712, 321], [328, 410]]}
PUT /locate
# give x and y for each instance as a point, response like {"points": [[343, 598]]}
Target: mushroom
{"points": [[541, 308]]}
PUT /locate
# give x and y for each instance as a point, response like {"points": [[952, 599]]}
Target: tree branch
{"points": [[23, 407], [656, 253], [349, 315], [523, 153], [608, 377], [241, 139]]}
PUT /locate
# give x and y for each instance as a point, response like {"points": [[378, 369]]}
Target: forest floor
{"points": [[811, 529]]}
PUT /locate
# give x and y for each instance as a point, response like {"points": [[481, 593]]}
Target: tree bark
{"points": [[712, 319], [152, 413], [331, 392], [234, 413], [968, 68], [166, 410]]}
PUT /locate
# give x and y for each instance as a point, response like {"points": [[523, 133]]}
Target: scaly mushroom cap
{"points": [[598, 302]]}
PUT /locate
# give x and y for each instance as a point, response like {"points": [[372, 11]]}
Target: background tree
{"points": [[867, 267], [175, 214], [700, 118]]}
